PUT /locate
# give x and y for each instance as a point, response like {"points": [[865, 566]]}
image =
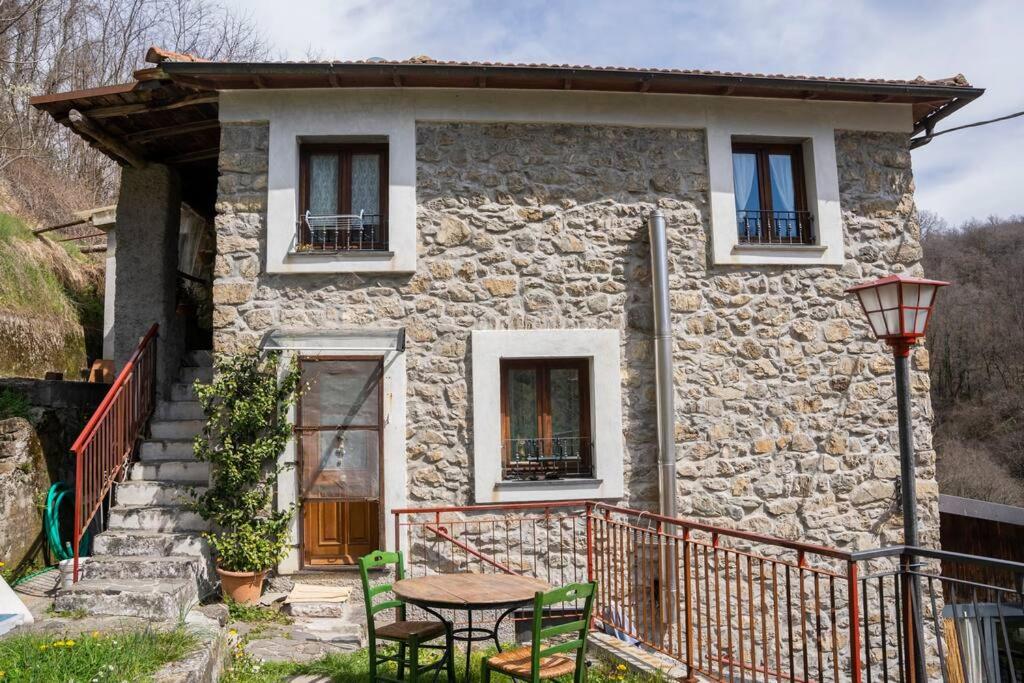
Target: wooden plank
{"points": [[88, 128], [465, 589], [145, 107], [147, 135]]}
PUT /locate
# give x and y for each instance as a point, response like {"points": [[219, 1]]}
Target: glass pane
{"points": [[323, 184], [869, 298], [889, 295], [366, 183], [783, 188], [341, 464], [340, 393], [565, 412], [747, 191], [927, 292], [910, 295], [522, 404]]}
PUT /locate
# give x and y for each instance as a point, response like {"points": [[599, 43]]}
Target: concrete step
{"points": [[182, 391], [198, 359], [153, 493], [175, 429], [179, 471], [155, 518], [188, 375], [149, 543], [179, 410], [165, 449], [165, 599], [143, 567]]}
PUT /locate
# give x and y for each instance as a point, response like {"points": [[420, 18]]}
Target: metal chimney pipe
{"points": [[663, 365]]}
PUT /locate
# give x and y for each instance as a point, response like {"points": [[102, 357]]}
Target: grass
{"points": [[354, 667], [256, 614], [42, 658]]}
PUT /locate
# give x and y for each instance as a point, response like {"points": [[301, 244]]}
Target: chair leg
{"points": [[414, 661], [401, 661], [485, 672]]}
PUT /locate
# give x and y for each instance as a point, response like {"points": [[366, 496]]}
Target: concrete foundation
{"points": [[148, 217]]}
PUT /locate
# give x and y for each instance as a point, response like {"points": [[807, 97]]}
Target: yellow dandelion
{"points": [[43, 647], [232, 632], [69, 643], [621, 667], [95, 634]]}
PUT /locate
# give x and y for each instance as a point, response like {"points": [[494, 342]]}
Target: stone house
{"points": [[458, 255]]}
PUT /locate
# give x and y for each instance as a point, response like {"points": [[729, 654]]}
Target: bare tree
{"points": [[49, 46]]}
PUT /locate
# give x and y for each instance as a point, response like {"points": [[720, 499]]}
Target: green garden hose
{"points": [[61, 550]]}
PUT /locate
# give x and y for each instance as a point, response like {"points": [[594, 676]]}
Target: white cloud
{"points": [[975, 173]]}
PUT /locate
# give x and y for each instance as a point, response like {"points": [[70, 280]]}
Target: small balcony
{"points": [[341, 233], [545, 459], [775, 227]]}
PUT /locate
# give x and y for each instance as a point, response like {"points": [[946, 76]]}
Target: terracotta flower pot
{"points": [[244, 588]]}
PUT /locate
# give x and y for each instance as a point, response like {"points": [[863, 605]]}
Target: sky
{"points": [[969, 174]]}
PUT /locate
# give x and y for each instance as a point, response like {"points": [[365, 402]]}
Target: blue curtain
{"points": [[744, 175]]}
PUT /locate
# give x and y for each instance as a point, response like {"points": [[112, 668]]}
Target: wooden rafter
{"points": [[168, 131], [145, 107], [197, 155], [110, 144]]}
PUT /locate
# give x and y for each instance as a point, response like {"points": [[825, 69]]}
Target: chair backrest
{"points": [[376, 560], [573, 592]]}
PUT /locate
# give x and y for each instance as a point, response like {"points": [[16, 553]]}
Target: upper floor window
{"points": [[545, 414], [342, 198], [771, 195]]}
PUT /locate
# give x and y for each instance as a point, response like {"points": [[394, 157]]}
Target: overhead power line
{"points": [[969, 125]]}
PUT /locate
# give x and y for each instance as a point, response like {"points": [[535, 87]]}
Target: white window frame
{"points": [[821, 178], [602, 348]]}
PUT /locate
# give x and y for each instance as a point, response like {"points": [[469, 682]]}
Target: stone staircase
{"points": [[152, 561]]}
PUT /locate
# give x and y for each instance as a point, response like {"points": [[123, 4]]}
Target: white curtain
{"points": [[323, 184], [366, 183], [783, 196], [744, 174]]}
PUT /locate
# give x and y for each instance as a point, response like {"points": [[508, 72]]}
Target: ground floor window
{"points": [[545, 415]]}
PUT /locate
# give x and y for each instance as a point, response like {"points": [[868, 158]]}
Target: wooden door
{"points": [[339, 430]]}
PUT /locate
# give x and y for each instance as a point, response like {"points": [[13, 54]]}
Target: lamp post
{"points": [[898, 309]]}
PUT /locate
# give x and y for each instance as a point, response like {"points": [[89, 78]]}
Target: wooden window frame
{"points": [[796, 154], [543, 367], [345, 151]]}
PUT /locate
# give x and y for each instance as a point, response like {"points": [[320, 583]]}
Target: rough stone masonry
{"points": [[785, 405]]}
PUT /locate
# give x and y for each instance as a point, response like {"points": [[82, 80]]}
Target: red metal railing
{"points": [[104, 447]]}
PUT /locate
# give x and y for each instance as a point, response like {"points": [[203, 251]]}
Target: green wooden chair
{"points": [[411, 636], [543, 662]]}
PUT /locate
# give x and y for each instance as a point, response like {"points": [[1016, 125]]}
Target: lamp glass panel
{"points": [[909, 314], [877, 323], [889, 295], [868, 299], [910, 295], [922, 320], [927, 293], [892, 321]]}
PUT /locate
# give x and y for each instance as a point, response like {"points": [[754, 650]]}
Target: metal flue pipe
{"points": [[663, 365]]}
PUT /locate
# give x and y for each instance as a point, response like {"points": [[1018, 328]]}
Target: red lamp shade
{"points": [[898, 308]]}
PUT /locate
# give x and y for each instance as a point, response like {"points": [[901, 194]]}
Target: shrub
{"points": [[246, 430]]}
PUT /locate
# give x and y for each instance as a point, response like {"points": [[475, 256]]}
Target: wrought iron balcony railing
{"points": [[554, 458], [775, 227], [342, 232]]}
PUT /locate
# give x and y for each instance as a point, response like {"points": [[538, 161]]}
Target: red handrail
{"points": [[103, 448]]}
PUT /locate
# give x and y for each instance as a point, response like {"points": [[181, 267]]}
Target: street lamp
{"points": [[898, 308]]}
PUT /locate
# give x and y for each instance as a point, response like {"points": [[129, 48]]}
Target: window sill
{"points": [[342, 253], [810, 249], [513, 484]]}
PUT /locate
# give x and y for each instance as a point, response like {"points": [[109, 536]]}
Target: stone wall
{"points": [[785, 410]]}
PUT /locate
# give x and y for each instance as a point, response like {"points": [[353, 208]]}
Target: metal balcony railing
{"points": [[775, 227], [341, 232], [553, 458]]}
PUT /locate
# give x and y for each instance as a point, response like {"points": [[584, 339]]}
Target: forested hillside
{"points": [[976, 341]]}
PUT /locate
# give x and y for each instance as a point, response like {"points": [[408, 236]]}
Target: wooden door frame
{"points": [[297, 431]]}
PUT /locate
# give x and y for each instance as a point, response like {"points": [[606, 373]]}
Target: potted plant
{"points": [[246, 430]]}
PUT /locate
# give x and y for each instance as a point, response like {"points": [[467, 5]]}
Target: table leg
{"points": [[469, 645], [449, 641], [497, 626]]}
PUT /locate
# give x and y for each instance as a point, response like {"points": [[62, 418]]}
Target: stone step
{"points": [[175, 429], [155, 518], [179, 471], [143, 567], [149, 543], [198, 359], [164, 599], [188, 375], [182, 391], [153, 493], [165, 449], [179, 410]]}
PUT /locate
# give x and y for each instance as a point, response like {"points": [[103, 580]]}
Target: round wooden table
{"points": [[468, 592]]}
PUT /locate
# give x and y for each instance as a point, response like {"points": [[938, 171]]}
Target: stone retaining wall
{"points": [[785, 408]]}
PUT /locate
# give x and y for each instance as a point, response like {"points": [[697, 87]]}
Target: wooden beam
{"points": [[198, 155], [481, 82], [143, 107], [83, 237], [728, 90], [167, 131], [396, 78], [105, 140], [93, 250], [645, 84], [40, 231], [567, 84]]}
